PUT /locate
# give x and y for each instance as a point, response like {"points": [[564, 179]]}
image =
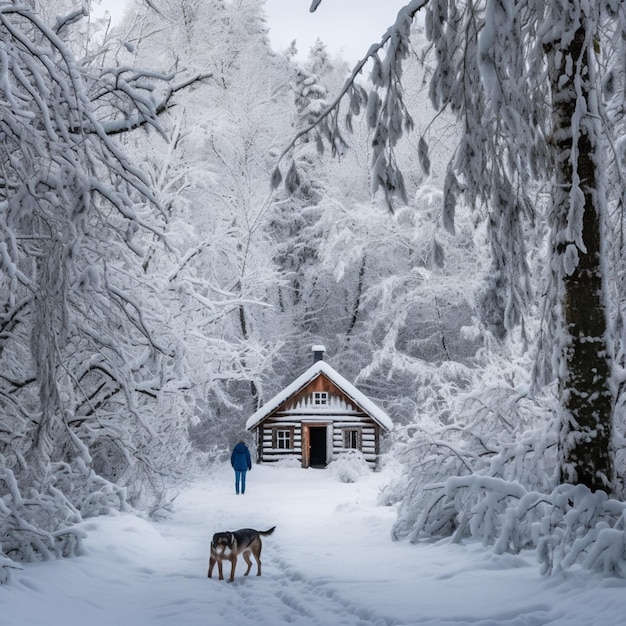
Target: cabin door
{"points": [[315, 452]]}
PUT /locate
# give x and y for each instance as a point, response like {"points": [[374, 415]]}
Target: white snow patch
{"points": [[330, 561]]}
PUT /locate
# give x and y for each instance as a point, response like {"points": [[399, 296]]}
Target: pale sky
{"points": [[348, 26]]}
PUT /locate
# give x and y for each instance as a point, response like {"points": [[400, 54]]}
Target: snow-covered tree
{"points": [[524, 80], [295, 220], [84, 370], [209, 171]]}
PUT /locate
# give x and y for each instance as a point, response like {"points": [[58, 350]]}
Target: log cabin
{"points": [[319, 416]]}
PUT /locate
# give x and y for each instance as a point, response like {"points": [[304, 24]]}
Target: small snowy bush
{"points": [[349, 466]]}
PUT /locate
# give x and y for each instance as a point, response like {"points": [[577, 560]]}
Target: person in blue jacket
{"points": [[241, 462]]}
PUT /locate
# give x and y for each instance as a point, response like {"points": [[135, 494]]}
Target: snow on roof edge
{"points": [[319, 367]]}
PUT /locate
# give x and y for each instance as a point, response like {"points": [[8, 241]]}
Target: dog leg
{"points": [[246, 558], [219, 569], [211, 566], [233, 563], [256, 552]]}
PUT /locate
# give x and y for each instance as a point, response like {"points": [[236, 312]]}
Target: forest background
{"points": [[157, 289]]}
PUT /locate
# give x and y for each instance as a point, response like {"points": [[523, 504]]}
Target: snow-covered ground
{"points": [[329, 562]]}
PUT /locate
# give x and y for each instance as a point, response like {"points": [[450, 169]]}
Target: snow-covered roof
{"points": [[321, 367]]}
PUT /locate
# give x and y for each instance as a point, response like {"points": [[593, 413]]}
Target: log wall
{"points": [[368, 436]]}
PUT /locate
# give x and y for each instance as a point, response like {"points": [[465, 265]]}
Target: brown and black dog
{"points": [[227, 546]]}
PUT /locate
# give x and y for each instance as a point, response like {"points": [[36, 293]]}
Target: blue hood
{"points": [[240, 458]]}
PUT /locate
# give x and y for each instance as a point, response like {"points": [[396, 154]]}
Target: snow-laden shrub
{"points": [[41, 523], [349, 466], [440, 500], [585, 528], [498, 429], [500, 486], [91, 494], [6, 567], [37, 526], [569, 526]]}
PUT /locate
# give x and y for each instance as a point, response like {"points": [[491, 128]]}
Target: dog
{"points": [[227, 546]]}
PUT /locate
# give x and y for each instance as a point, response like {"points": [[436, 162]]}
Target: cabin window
{"points": [[320, 398], [352, 438], [282, 438]]}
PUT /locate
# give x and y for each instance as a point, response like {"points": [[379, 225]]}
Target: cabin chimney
{"points": [[318, 353]]}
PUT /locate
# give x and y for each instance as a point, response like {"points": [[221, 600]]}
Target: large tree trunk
{"points": [[585, 367]]}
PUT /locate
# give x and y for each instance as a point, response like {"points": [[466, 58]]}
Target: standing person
{"points": [[241, 462]]}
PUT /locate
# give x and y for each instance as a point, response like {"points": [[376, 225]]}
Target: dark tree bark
{"points": [[585, 372]]}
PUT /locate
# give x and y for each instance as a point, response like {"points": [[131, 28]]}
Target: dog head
{"points": [[222, 541]]}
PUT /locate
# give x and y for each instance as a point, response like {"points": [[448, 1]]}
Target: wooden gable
{"points": [[320, 384]]}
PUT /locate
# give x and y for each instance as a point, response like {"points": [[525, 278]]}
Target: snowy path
{"points": [[329, 563]]}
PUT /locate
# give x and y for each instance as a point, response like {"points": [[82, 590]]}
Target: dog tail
{"points": [[267, 532]]}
